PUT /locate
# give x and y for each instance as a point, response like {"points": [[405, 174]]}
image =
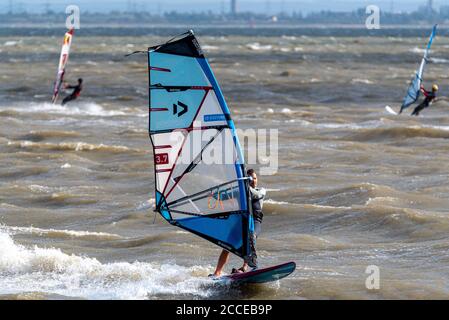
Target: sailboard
{"points": [[413, 90], [390, 110], [64, 58], [189, 123], [260, 275]]}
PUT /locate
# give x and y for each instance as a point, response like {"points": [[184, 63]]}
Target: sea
{"points": [[355, 189]]}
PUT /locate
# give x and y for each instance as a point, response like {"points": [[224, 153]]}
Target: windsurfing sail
{"points": [[200, 179], [62, 64], [413, 90]]}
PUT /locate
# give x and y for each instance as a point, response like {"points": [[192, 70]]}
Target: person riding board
{"points": [[428, 100], [76, 91], [257, 196]]}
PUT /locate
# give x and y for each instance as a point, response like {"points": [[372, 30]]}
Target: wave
{"points": [[364, 81], [274, 202], [332, 199], [439, 60], [133, 132], [149, 204], [391, 222], [70, 146], [11, 43], [210, 48], [77, 108], [256, 46], [37, 136], [341, 197], [381, 134], [54, 233], [138, 242], [17, 172], [418, 50], [64, 199], [51, 271]]}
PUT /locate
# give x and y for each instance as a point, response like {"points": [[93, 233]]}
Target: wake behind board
{"points": [[261, 275], [388, 108]]}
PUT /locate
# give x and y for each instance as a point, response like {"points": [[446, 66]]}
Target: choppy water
{"points": [[355, 186]]}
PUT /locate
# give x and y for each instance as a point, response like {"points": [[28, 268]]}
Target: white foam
{"points": [[11, 43], [149, 204], [84, 109], [439, 60], [418, 50], [256, 46], [72, 233], [210, 48], [271, 201], [365, 81], [327, 207], [39, 189], [362, 125], [49, 270], [382, 200], [76, 146]]}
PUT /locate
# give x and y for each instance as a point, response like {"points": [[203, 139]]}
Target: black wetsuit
{"points": [[75, 94], [430, 96]]}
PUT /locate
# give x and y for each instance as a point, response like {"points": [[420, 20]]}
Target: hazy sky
{"points": [[158, 6]]}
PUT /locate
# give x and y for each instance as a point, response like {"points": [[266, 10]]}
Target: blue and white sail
{"points": [[190, 125], [413, 90]]}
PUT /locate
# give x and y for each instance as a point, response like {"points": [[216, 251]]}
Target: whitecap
{"points": [[50, 270]]}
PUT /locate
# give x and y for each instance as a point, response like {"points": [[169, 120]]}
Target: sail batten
{"points": [[413, 90], [206, 198]]}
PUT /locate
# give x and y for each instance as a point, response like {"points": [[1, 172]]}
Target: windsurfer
{"points": [[257, 196], [429, 98], [76, 91]]}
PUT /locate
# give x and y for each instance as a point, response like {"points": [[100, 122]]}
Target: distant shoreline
{"points": [[318, 30]]}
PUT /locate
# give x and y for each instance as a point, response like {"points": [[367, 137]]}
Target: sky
{"points": [[258, 6]]}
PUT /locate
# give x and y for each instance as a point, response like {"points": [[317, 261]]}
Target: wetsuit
{"points": [[429, 97], [75, 94], [257, 196]]}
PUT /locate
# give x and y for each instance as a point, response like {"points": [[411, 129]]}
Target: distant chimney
{"points": [[233, 7]]}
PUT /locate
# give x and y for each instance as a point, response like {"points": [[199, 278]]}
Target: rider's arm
{"points": [[424, 91], [257, 193]]}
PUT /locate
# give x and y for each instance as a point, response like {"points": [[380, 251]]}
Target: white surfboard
{"points": [[388, 108]]}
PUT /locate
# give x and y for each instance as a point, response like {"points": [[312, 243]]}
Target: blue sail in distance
{"points": [[413, 90]]}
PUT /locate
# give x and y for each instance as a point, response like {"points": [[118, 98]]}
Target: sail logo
{"points": [[214, 117], [178, 112]]}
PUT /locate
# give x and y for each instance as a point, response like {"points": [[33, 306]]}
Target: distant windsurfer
{"points": [[76, 91], [257, 196], [429, 98]]}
